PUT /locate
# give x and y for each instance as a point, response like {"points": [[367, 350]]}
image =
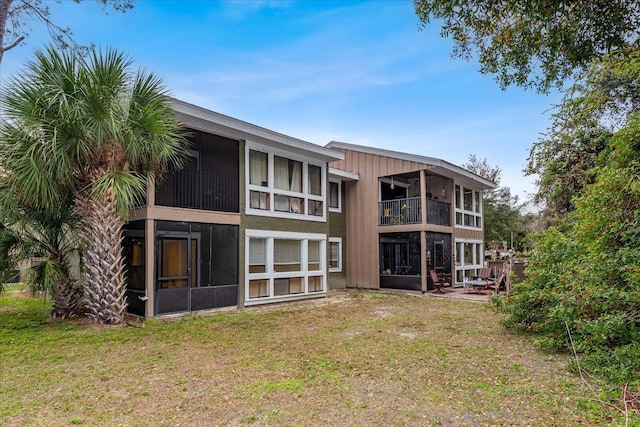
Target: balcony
{"points": [[400, 211], [199, 190], [408, 211]]}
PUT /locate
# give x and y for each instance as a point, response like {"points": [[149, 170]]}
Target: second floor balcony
{"points": [[199, 190], [409, 211]]}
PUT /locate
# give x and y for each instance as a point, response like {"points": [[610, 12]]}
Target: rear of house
{"points": [[257, 217]]}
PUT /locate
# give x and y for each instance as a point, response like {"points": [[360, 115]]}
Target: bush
{"points": [[585, 275]]}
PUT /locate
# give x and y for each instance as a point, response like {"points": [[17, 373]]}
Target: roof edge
{"points": [[432, 161], [251, 129]]}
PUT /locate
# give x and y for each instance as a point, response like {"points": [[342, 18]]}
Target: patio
{"points": [[461, 293]]}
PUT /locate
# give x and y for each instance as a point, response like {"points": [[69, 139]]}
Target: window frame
{"points": [[461, 214], [477, 255], [338, 241], [270, 191], [270, 275], [337, 209]]}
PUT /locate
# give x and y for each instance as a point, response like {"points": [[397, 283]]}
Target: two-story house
{"points": [[256, 217]]}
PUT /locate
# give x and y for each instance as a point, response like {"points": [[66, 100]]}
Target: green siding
{"points": [[256, 222], [338, 228]]}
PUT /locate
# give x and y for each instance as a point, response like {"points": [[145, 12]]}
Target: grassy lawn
{"points": [[354, 359]]}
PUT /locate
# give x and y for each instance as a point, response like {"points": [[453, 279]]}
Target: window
{"points": [[335, 196], [315, 180], [287, 174], [286, 255], [282, 186], [259, 167], [257, 255], [335, 254], [468, 206], [469, 258], [314, 256], [284, 264]]}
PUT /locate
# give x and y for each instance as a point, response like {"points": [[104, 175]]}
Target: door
{"points": [[438, 256], [439, 244], [174, 273]]}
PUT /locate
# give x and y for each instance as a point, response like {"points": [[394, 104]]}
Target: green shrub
{"points": [[585, 275]]}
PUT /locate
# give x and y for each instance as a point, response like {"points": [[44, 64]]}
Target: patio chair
{"points": [[500, 282], [486, 274], [438, 282]]}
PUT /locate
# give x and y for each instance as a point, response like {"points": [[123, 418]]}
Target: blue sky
{"points": [[352, 71]]}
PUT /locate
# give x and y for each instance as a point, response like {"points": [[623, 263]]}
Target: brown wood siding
{"points": [[461, 233], [361, 201]]}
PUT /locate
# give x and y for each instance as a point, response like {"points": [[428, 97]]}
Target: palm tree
{"points": [[25, 236], [90, 126]]}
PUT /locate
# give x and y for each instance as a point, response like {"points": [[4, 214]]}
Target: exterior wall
{"points": [[338, 228], [257, 222], [461, 233], [362, 225], [363, 229]]}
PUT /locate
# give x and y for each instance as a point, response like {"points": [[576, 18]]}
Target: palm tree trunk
{"points": [[105, 284], [67, 299]]}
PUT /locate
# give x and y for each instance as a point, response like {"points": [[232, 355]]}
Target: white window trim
{"points": [[459, 264], [272, 191], [464, 212], [339, 208], [337, 240], [271, 275]]}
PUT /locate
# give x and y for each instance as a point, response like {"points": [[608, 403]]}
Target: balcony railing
{"points": [[408, 211], [199, 190], [400, 211]]}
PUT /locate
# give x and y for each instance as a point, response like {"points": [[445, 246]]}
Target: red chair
{"points": [[438, 282]]}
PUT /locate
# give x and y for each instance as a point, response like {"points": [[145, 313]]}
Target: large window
{"points": [[469, 258], [279, 185], [468, 206], [284, 265]]}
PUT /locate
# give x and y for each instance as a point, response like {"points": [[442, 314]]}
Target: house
{"points": [[257, 217], [408, 214]]}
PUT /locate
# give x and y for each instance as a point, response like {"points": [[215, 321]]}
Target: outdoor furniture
{"points": [[486, 275], [501, 281], [473, 284], [438, 282]]}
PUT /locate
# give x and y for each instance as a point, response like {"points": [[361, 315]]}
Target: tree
{"points": [[535, 44], [25, 236], [501, 210], [583, 274], [583, 124], [15, 16], [88, 125]]}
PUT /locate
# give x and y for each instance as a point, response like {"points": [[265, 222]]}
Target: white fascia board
{"points": [[207, 120], [437, 165], [343, 174]]}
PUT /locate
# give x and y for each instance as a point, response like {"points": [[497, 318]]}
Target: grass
{"points": [[354, 359]]}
